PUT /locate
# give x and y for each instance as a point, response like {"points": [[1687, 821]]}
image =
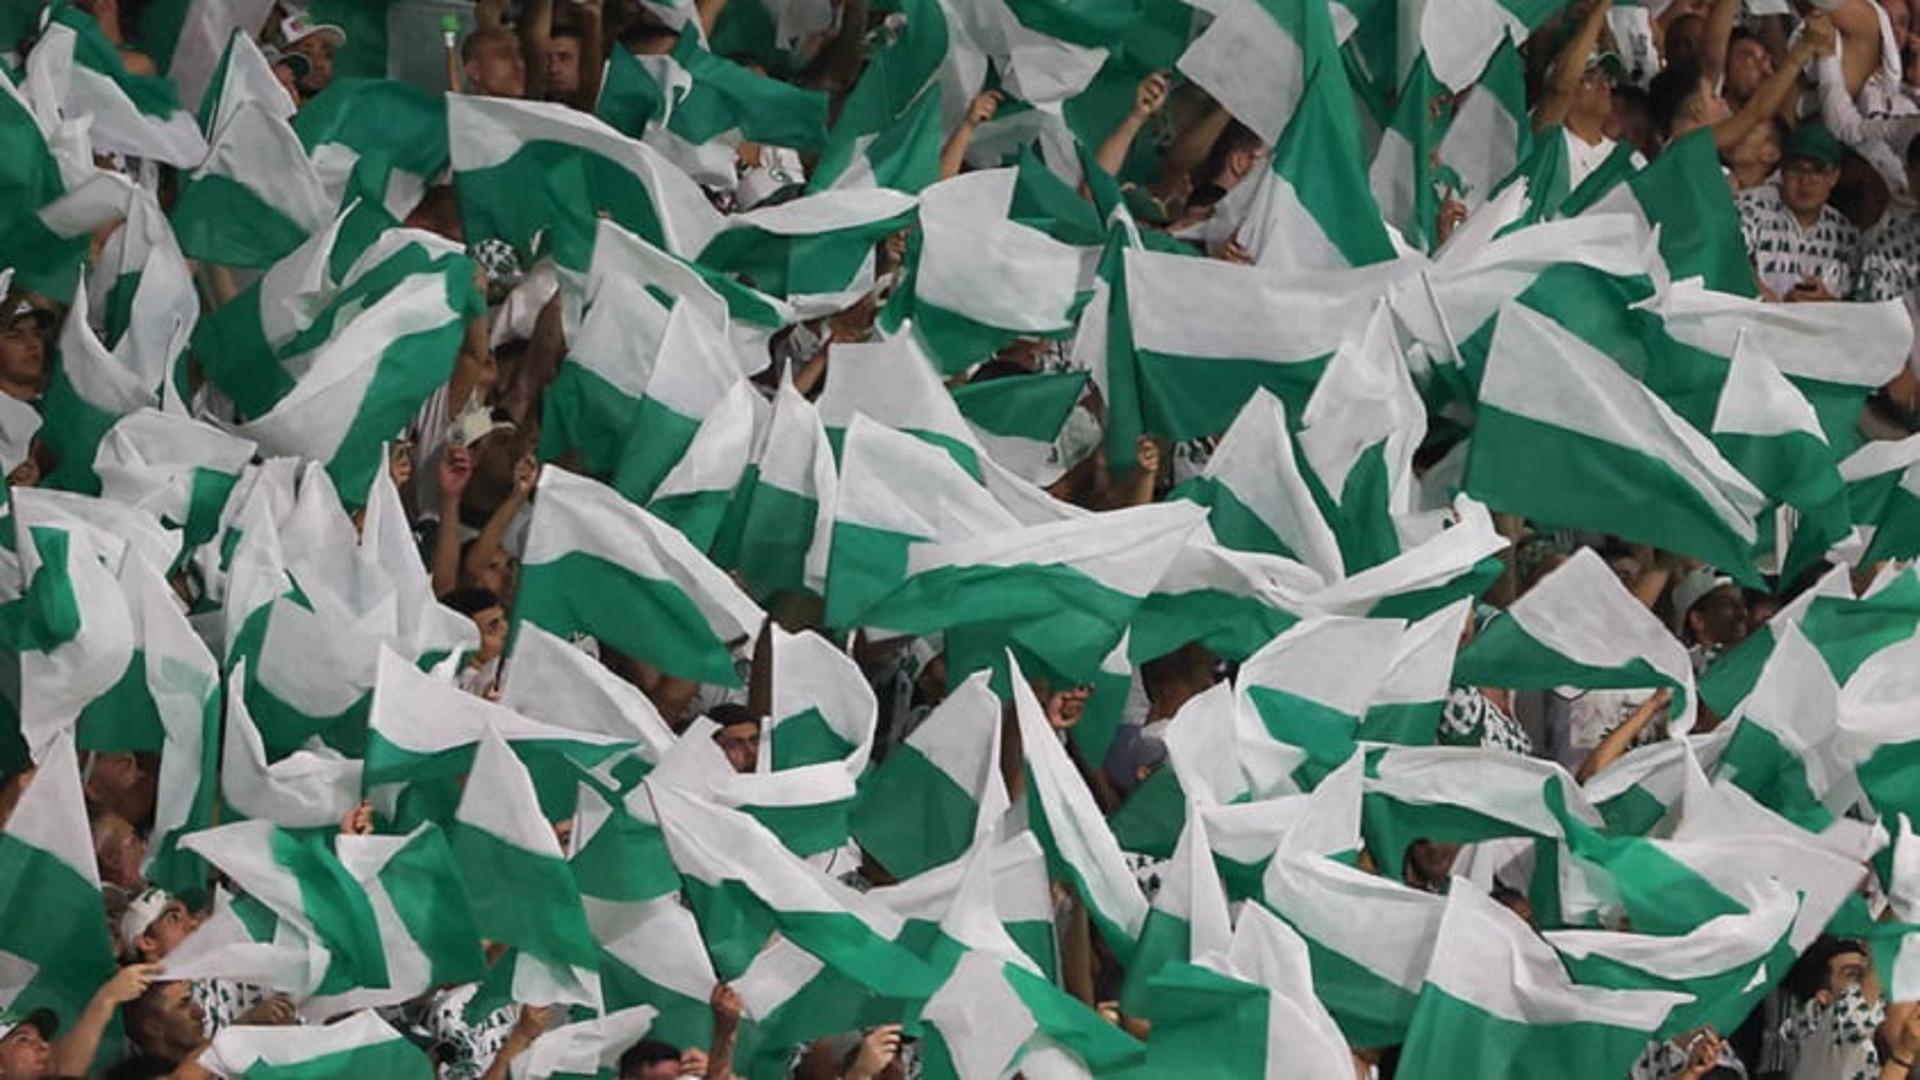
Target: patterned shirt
{"points": [[1891, 266], [223, 1001], [1784, 253], [1849, 1022], [1470, 718], [466, 1050], [1664, 1060]]}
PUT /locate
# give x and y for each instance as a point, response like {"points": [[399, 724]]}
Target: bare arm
{"points": [[73, 1054], [709, 14], [593, 52], [726, 1030], [526, 473], [527, 1028], [1570, 66], [1713, 50], [1777, 90], [1147, 100], [1621, 738], [953, 155], [456, 468], [839, 63], [536, 31]]}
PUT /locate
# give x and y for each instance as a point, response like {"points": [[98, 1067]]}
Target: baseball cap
{"points": [[27, 309], [1693, 588], [296, 62], [297, 28], [474, 424], [1812, 142], [1608, 61], [43, 1019], [140, 913]]}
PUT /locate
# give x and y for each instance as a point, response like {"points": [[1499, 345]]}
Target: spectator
{"points": [[317, 42], [1802, 248]]}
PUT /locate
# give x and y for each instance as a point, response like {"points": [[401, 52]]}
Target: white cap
{"points": [[1692, 589], [140, 915], [295, 28]]}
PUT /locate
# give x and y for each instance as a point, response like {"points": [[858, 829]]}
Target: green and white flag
{"points": [[1020, 900], [369, 378], [1403, 174], [1407, 703], [54, 947], [695, 493], [360, 1045], [652, 955], [1188, 919], [421, 728], [1312, 209], [1491, 131], [1031, 423], [1770, 432], [982, 279], [1064, 591], [1080, 847], [1233, 602], [597, 564], [310, 788], [697, 367], [551, 680], [518, 882], [1628, 462], [896, 492], [1257, 496], [298, 878], [1368, 937], [1846, 631], [79, 641], [1497, 1002], [179, 470], [427, 929], [815, 252], [990, 1016], [382, 138], [1196, 337], [889, 132], [936, 791], [182, 681], [74, 64], [1580, 627], [1311, 687], [87, 391], [1786, 749], [894, 382], [538, 174], [744, 886], [1883, 498], [1634, 793], [144, 294], [786, 502], [256, 197], [1358, 434], [689, 102], [1684, 193], [1253, 59], [1727, 964], [1882, 751], [215, 46], [1300, 1036], [585, 1048]]}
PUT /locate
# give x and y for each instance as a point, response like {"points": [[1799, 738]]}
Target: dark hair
{"points": [[729, 713], [471, 600], [647, 1052], [142, 1067], [1234, 139], [1809, 973], [1913, 153], [1668, 94], [996, 369], [1185, 662]]}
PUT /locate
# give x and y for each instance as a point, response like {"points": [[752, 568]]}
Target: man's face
{"points": [[492, 623], [497, 69], [120, 850], [318, 49], [123, 784], [24, 1054], [167, 931], [496, 574], [741, 744], [1720, 617], [180, 1016], [1595, 98], [563, 65], [1748, 65], [1806, 184], [23, 358]]}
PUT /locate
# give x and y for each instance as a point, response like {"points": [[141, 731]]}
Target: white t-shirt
{"points": [[1583, 157]]}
